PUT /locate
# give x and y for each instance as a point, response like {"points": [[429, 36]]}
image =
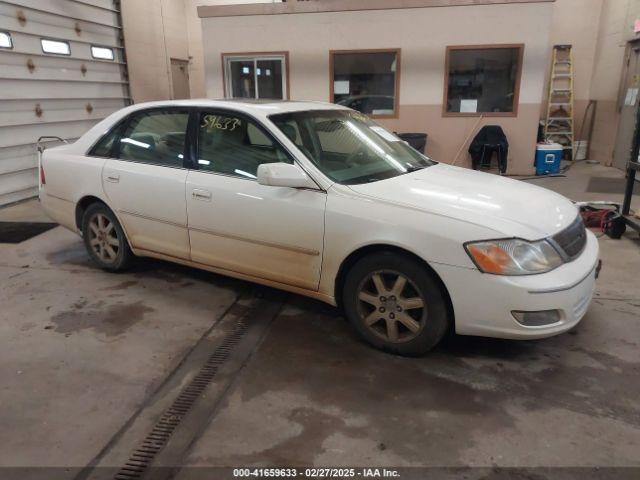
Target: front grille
{"points": [[572, 239]]}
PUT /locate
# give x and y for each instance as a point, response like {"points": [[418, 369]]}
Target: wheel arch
{"points": [[88, 200], [82, 206], [366, 250]]}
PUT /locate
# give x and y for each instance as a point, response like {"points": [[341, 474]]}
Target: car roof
{"points": [[261, 107]]}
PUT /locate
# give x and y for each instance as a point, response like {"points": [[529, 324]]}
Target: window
{"points": [[155, 136], [57, 47], [104, 147], [256, 76], [348, 147], [5, 40], [366, 80], [483, 80], [103, 53], [233, 145]]}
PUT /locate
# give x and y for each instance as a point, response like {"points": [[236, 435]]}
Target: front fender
{"points": [[353, 222]]}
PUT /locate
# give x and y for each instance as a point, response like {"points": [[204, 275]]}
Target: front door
{"points": [[145, 183], [628, 112], [274, 233]]}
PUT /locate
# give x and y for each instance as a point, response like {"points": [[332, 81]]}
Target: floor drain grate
{"points": [[143, 456]]}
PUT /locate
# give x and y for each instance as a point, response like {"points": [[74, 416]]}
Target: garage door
{"points": [[62, 69]]}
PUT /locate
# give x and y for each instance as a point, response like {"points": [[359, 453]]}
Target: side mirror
{"points": [[284, 175]]}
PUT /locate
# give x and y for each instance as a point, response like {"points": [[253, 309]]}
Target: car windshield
{"points": [[348, 147]]}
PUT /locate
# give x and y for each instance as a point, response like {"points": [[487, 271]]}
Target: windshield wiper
{"points": [[415, 168]]}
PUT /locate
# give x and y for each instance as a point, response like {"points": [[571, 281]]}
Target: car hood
{"points": [[509, 207]]}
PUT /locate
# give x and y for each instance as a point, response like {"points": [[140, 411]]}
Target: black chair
{"points": [[489, 140]]}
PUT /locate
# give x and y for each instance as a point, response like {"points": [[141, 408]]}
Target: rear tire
{"points": [[104, 239], [395, 304]]}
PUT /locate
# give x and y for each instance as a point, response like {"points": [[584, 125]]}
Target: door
{"points": [[180, 78], [145, 183], [629, 106], [274, 233]]}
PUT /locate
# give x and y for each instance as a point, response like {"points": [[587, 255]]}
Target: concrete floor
{"points": [[575, 183], [81, 349], [88, 359], [27, 211]]}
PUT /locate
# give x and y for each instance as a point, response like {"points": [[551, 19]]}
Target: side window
{"points": [[103, 147], [234, 145], [156, 137]]}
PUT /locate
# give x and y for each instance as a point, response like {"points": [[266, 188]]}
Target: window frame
{"points": [[318, 143], [121, 126], [59, 40], [111, 49], [191, 139], [396, 100], [226, 57], [11, 45], [516, 92]]}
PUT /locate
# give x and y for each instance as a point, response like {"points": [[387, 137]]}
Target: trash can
{"points": [[416, 140], [548, 157]]}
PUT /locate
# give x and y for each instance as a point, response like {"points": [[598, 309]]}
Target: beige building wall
{"points": [[423, 35], [194, 33], [576, 23], [599, 31], [156, 31], [614, 31]]}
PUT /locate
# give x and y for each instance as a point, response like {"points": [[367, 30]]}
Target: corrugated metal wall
{"points": [[50, 94]]}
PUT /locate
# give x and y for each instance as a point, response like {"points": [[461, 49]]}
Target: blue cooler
{"points": [[548, 157]]}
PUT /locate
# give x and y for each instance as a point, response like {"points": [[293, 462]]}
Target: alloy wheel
{"points": [[391, 306], [103, 238]]}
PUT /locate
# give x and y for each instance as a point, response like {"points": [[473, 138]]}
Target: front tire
{"points": [[395, 304], [104, 239]]}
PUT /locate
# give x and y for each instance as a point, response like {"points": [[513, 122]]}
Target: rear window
{"points": [[104, 147]]}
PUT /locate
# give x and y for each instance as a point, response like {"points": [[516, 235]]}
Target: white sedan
{"points": [[319, 200]]}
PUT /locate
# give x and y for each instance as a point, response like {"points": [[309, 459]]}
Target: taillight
{"points": [[43, 180]]}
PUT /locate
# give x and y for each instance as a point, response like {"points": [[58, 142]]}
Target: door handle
{"points": [[113, 178], [203, 195]]}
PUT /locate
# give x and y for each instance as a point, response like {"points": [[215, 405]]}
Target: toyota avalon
{"points": [[319, 200]]}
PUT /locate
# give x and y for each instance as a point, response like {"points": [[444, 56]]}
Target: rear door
{"points": [[275, 233], [145, 183]]}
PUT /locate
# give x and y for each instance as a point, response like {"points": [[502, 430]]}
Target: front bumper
{"points": [[483, 303]]}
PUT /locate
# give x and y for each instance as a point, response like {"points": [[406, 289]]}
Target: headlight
{"points": [[513, 256]]}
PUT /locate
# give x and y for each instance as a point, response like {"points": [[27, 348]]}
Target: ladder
{"points": [[558, 126]]}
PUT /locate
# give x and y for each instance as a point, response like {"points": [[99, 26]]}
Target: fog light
{"points": [[537, 319]]}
